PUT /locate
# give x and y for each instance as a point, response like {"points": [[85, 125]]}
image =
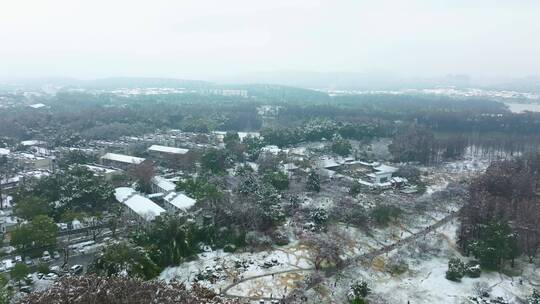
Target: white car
{"points": [[55, 269], [76, 269], [51, 276], [29, 278], [46, 256]]}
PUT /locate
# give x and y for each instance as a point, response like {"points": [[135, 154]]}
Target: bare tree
{"points": [[143, 174], [326, 247]]}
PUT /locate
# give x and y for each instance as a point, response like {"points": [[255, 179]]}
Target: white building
{"points": [[167, 150], [102, 171], [178, 202], [28, 143], [327, 163], [120, 160], [138, 206], [162, 185], [382, 176]]}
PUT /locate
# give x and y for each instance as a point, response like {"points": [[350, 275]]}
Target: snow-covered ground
{"points": [[425, 282], [275, 272], [218, 270]]}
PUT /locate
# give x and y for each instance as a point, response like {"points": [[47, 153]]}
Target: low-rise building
{"points": [[382, 176], [162, 185], [138, 207], [178, 202], [120, 161], [103, 171], [165, 151]]}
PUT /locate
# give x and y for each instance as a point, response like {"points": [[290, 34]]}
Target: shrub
{"points": [[473, 270], [358, 291], [383, 215], [229, 248], [43, 268], [456, 270]]}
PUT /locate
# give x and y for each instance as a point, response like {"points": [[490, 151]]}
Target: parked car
{"points": [[76, 269], [25, 289], [56, 255], [28, 261], [29, 279], [17, 259], [46, 256], [55, 269], [6, 264], [51, 276]]}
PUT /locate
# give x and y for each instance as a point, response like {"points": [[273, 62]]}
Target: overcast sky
{"points": [[199, 38]]}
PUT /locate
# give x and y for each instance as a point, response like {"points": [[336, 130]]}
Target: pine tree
{"points": [[456, 270], [534, 298], [313, 182]]}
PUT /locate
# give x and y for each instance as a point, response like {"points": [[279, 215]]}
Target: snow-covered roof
{"points": [[379, 173], [243, 135], [327, 163], [100, 169], [289, 166], [141, 205], [302, 151], [399, 179], [22, 176], [122, 193], [123, 158], [362, 182], [32, 142], [165, 149], [271, 149], [386, 168], [180, 201], [4, 151], [163, 184]]}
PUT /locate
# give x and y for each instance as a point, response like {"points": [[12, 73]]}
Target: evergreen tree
{"points": [[497, 244], [456, 270], [123, 257], [358, 291], [313, 182], [534, 298]]}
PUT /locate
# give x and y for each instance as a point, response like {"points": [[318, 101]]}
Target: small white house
{"points": [[381, 177], [162, 185], [327, 163], [137, 206], [175, 202]]}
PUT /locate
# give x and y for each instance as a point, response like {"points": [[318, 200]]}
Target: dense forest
{"points": [[73, 117], [500, 220]]}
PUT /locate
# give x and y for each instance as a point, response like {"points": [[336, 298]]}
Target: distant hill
{"points": [[108, 83], [277, 93], [144, 82]]}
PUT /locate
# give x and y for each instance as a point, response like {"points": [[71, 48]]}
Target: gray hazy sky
{"points": [[199, 38]]}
